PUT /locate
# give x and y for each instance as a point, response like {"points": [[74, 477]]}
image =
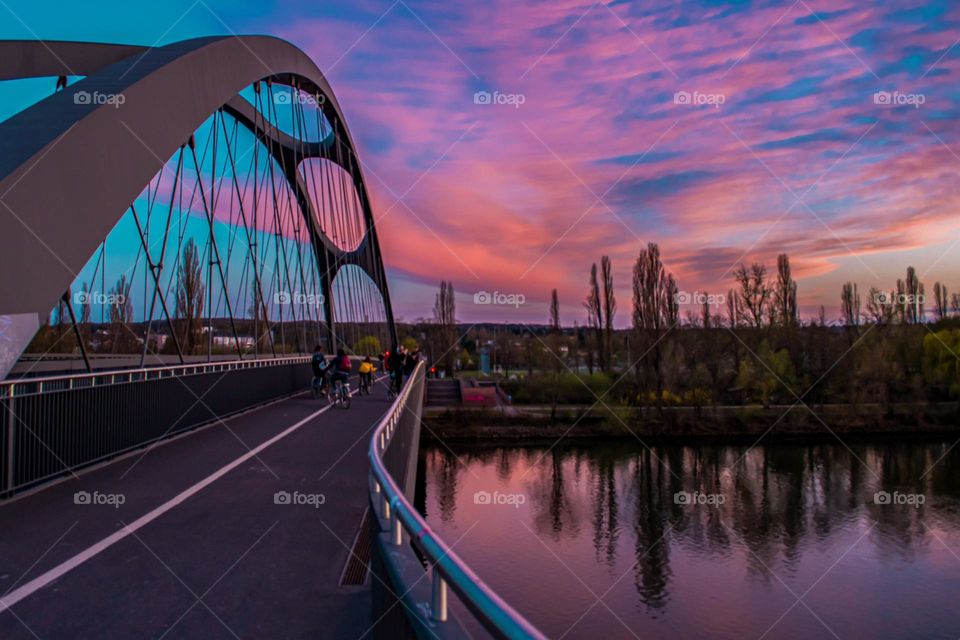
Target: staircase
{"points": [[443, 393]]}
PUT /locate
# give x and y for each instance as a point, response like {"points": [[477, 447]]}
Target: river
{"points": [[781, 540]]}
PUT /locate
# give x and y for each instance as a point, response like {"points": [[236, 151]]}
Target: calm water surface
{"points": [[778, 541]]}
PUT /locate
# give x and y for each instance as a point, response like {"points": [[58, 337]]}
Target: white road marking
{"points": [[43, 580]]}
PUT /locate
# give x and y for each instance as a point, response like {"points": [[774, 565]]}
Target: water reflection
{"points": [[748, 530]]}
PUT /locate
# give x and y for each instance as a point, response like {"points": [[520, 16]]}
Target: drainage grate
{"points": [[358, 563]]}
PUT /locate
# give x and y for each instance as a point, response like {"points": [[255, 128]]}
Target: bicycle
{"points": [[339, 394], [366, 383], [391, 392], [320, 386]]}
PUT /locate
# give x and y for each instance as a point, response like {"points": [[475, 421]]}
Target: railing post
{"points": [[11, 444], [438, 606], [397, 529]]}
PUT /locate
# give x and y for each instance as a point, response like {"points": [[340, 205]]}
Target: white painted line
{"points": [[43, 580]]}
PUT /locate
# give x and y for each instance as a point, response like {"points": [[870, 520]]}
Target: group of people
{"points": [[337, 369], [399, 362]]}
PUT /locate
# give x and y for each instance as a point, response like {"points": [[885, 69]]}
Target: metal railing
{"points": [[62, 382], [390, 456], [54, 425]]}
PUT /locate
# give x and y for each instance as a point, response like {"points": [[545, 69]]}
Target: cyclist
{"points": [[366, 374], [395, 365], [320, 370], [341, 368]]}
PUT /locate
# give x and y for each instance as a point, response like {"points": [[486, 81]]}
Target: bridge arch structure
{"points": [[197, 200]]}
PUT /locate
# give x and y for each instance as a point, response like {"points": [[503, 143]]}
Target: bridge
{"points": [[180, 227]]}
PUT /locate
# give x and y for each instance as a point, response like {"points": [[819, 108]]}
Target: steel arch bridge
{"points": [[202, 199]]}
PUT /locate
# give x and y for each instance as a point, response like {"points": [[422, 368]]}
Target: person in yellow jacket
{"points": [[366, 375]]}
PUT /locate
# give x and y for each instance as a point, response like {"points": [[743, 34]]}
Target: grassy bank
{"points": [[684, 423]]}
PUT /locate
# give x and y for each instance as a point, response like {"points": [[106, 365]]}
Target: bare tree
{"points": [[940, 300], [594, 316], [609, 310], [754, 293], [880, 307], [911, 297], [445, 316], [655, 309], [955, 303], [121, 314], [733, 309], [785, 294], [261, 320], [555, 339], [850, 304], [190, 290], [554, 311]]}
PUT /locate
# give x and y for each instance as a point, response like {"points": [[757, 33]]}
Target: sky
{"points": [[509, 145]]}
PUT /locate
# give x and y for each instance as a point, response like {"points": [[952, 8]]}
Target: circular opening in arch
{"points": [[335, 201]]}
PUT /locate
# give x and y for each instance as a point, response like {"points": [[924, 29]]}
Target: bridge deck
{"points": [[199, 548]]}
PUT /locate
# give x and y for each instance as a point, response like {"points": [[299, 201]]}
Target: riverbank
{"points": [[786, 421]]}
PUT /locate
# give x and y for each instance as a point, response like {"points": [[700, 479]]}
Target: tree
{"points": [[555, 338], [940, 300], [445, 316], [554, 311], [753, 295], [880, 306], [609, 309], [261, 321], [121, 314], [190, 290], [368, 346], [912, 300], [594, 317], [655, 309], [850, 304], [785, 294]]}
